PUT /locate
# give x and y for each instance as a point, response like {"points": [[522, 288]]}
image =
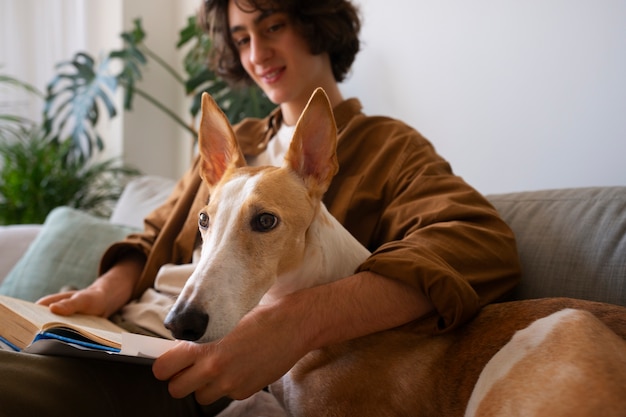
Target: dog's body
{"points": [[270, 235]]}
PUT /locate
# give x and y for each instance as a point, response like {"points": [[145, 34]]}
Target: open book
{"points": [[29, 327]]}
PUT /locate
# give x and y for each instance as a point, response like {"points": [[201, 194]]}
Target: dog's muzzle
{"points": [[186, 322]]}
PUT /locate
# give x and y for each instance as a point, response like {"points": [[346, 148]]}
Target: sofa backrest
{"points": [[572, 242], [140, 196]]}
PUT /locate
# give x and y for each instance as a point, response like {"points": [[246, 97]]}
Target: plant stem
{"points": [[5, 79], [167, 111], [164, 64]]}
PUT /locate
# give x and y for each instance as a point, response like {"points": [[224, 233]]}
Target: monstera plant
{"points": [[56, 163], [83, 86]]}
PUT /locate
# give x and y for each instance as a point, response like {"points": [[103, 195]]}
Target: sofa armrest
{"points": [[14, 240]]}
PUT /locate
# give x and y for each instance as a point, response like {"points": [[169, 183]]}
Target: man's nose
{"points": [[260, 50]]}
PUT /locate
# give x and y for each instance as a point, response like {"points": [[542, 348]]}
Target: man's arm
{"points": [[269, 340]]}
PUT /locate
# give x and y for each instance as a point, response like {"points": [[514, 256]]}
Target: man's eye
{"points": [[276, 27], [203, 221], [241, 42]]}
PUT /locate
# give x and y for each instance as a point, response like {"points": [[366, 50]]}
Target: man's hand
{"points": [[104, 296], [257, 352], [91, 300]]}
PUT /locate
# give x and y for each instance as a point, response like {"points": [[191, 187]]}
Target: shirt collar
{"points": [[266, 129]]}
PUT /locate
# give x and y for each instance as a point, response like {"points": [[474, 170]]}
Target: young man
{"points": [[440, 251]]}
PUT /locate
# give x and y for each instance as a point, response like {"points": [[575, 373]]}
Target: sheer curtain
{"points": [[34, 36]]}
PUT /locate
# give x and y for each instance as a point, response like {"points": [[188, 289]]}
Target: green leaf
{"points": [[132, 59], [71, 108], [13, 126], [37, 175], [189, 32]]}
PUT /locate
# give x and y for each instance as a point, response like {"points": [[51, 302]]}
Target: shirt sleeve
{"points": [[161, 229], [425, 225]]}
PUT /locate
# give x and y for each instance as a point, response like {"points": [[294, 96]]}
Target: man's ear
{"points": [[217, 142], [312, 153]]}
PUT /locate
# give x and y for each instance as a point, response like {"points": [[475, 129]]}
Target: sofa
{"points": [[572, 242]]}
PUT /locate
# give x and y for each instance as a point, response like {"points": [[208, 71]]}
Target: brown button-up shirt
{"points": [[394, 193]]}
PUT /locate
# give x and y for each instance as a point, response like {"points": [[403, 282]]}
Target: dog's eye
{"points": [[203, 221], [264, 222]]}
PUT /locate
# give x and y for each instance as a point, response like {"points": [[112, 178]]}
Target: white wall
{"points": [[152, 141], [102, 28], [517, 95]]}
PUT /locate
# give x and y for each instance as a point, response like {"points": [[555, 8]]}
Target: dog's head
{"points": [[254, 228]]}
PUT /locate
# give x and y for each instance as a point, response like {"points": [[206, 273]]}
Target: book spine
{"points": [[9, 344]]}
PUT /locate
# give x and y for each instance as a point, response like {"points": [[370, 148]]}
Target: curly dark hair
{"points": [[330, 26]]}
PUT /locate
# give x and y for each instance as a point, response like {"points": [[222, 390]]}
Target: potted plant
{"points": [[38, 174], [55, 164]]}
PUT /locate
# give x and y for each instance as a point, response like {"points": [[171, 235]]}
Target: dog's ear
{"points": [[217, 142], [312, 153]]}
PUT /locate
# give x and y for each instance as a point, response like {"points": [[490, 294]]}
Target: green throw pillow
{"points": [[66, 251]]}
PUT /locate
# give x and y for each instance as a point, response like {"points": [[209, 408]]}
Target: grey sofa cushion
{"points": [[572, 242], [141, 195]]}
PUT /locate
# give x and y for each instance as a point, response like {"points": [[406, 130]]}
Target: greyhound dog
{"points": [[266, 233]]}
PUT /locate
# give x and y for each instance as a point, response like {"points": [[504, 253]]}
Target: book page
{"points": [[40, 318], [145, 346]]}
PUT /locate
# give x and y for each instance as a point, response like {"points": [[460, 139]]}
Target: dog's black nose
{"points": [[188, 324]]}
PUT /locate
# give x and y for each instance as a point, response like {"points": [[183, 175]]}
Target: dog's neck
{"points": [[331, 253]]}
